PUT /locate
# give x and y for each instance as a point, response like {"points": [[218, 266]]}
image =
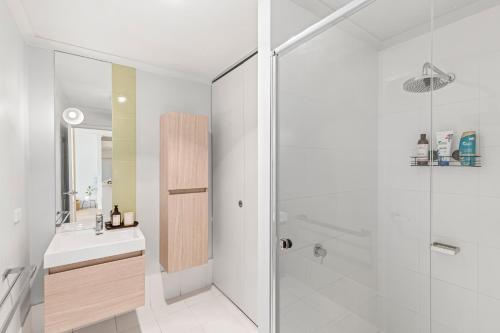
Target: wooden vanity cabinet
{"points": [[183, 191], [80, 294]]}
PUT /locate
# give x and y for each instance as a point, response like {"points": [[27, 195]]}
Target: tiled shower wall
{"points": [[341, 167], [462, 205]]}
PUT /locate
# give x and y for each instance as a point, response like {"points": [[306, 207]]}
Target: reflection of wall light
{"points": [[73, 116], [122, 99]]}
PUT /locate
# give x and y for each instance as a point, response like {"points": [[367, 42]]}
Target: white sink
{"points": [[81, 245]]}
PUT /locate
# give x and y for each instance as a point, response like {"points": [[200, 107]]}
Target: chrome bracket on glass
{"points": [[445, 249]]}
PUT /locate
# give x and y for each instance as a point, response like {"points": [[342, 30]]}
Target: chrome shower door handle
{"points": [[285, 243], [449, 250]]}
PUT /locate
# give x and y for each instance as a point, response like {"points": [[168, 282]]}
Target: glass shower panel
{"points": [[466, 194], [352, 213]]}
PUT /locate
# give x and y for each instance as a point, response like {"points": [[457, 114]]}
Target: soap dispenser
{"points": [[116, 217]]}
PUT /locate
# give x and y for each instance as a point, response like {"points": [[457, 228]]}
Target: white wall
{"points": [[41, 177], [14, 238], [157, 95]]}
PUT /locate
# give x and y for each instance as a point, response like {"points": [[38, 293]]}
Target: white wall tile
{"points": [[489, 119], [488, 310], [489, 175], [466, 69], [454, 306], [489, 271], [461, 269], [404, 288], [489, 221], [455, 216], [461, 181]]}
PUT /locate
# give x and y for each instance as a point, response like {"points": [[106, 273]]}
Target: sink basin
{"points": [[81, 245]]}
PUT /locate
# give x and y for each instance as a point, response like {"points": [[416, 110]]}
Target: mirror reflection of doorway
{"points": [[92, 165]]}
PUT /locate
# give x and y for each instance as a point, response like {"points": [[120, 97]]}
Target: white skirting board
{"points": [[179, 284]]}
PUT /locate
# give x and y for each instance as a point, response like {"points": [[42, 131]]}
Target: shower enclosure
{"points": [[368, 236]]}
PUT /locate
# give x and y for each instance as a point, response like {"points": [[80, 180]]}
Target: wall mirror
{"points": [[83, 139]]}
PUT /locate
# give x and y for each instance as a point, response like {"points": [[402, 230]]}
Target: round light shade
{"points": [[73, 116]]}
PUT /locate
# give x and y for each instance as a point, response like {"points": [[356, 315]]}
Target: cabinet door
{"points": [[185, 143], [81, 296], [187, 230], [228, 176], [234, 151]]}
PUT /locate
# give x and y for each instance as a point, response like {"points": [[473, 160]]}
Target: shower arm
{"points": [[428, 66]]}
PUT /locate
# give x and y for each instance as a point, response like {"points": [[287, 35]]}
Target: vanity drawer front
{"points": [[86, 295]]}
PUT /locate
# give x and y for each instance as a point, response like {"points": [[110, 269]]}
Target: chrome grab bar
{"points": [[445, 249], [20, 271], [358, 233]]}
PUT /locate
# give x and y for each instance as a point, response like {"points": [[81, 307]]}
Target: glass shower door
{"points": [[352, 214]]}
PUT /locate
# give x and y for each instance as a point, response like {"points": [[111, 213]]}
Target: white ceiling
{"points": [[197, 39], [391, 21]]}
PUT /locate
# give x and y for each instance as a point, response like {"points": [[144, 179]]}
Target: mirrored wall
{"points": [[84, 140]]}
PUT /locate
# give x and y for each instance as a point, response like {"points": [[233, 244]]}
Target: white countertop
{"points": [[81, 245]]}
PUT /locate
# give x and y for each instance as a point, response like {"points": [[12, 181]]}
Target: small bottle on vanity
{"points": [[116, 217], [423, 150]]}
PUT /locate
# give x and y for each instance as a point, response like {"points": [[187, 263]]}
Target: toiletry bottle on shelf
{"points": [[423, 150], [116, 217], [443, 141], [467, 148]]}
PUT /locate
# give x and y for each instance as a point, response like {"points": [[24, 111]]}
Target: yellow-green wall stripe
{"points": [[124, 85]]}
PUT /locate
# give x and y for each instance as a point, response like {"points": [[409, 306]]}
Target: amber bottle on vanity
{"points": [[116, 217]]}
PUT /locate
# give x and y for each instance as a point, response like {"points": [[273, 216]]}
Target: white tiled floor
{"points": [[206, 312]]}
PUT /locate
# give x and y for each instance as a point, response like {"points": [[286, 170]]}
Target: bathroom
{"points": [[334, 166]]}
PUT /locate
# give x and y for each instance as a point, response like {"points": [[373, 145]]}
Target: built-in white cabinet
{"points": [[234, 163]]}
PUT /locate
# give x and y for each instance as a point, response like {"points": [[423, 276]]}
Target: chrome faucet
{"points": [[99, 224], [319, 251]]}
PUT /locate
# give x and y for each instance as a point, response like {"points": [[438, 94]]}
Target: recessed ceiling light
{"points": [[73, 116], [122, 99]]}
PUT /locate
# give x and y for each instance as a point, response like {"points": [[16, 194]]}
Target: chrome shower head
{"points": [[428, 81]]}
